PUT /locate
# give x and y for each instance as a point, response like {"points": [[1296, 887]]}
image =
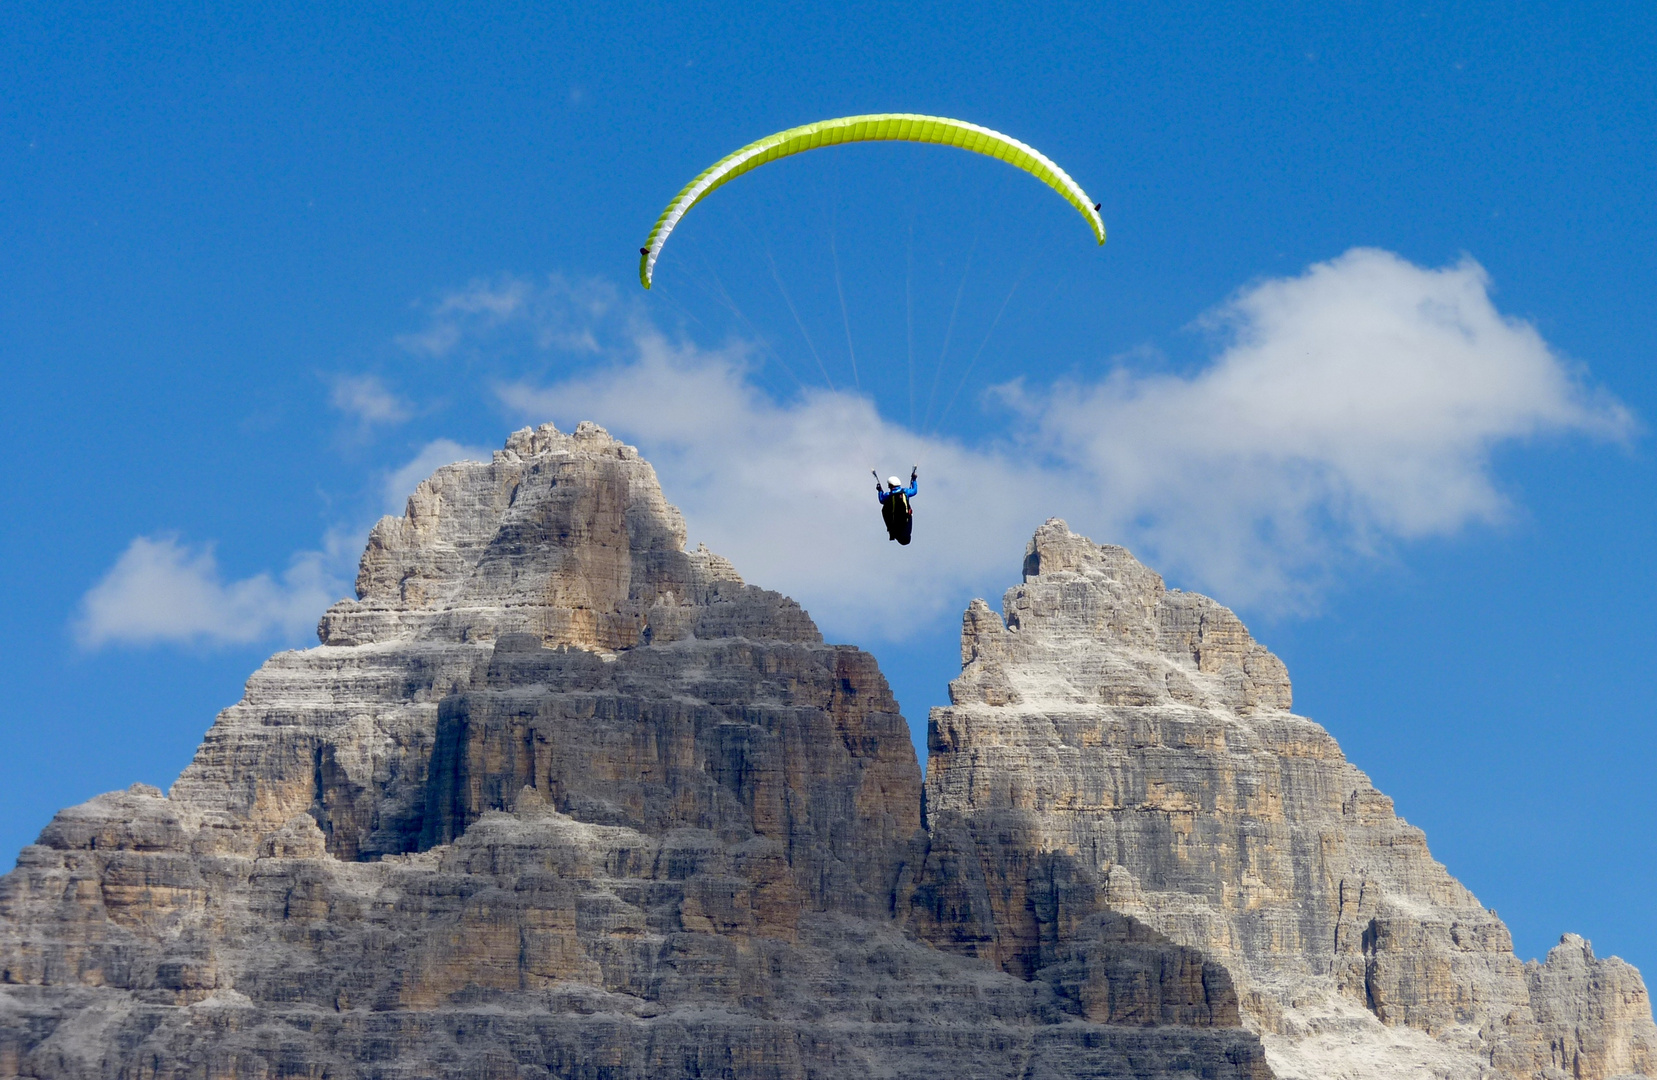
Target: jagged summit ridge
{"points": [[1173, 646], [1144, 736], [565, 536], [555, 797]]}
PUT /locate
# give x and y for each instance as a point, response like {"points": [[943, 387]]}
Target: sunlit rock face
{"points": [[555, 797], [563, 543], [1115, 747]]}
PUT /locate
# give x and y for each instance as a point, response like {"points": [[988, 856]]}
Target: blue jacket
{"points": [[884, 494]]}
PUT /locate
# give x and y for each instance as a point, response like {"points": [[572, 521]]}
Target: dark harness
{"points": [[898, 515]]}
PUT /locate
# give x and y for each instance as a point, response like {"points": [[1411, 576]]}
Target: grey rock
{"points": [[1115, 746], [556, 797]]}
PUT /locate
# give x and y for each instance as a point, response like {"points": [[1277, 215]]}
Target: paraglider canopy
{"points": [[901, 127]]}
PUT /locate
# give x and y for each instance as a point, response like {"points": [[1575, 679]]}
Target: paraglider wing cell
{"points": [[877, 127]]}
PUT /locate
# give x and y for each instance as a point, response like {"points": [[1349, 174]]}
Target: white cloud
{"points": [[1355, 405], [368, 399], [1349, 408], [785, 492], [161, 590], [164, 591], [1344, 411], [559, 314], [401, 482]]}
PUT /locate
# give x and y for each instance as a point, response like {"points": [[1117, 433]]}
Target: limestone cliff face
{"points": [[562, 542], [1114, 747], [555, 797]]}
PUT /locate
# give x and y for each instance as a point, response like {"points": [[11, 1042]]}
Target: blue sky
{"points": [[1367, 355]]}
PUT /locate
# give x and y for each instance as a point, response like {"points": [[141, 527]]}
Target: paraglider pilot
{"points": [[894, 505]]}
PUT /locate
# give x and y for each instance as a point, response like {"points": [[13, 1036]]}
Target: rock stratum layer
{"points": [[1136, 743], [555, 797]]}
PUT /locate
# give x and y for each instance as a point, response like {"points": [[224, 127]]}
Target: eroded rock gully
{"points": [[557, 798]]}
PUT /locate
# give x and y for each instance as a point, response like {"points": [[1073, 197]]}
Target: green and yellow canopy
{"points": [[876, 127]]}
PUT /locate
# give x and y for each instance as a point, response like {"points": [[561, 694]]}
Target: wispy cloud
{"points": [[556, 313], [163, 590], [1352, 406], [1345, 410], [401, 481], [367, 398], [785, 491]]}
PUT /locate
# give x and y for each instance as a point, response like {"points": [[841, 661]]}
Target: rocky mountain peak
{"points": [[1136, 743], [564, 536], [555, 797], [1092, 625]]}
